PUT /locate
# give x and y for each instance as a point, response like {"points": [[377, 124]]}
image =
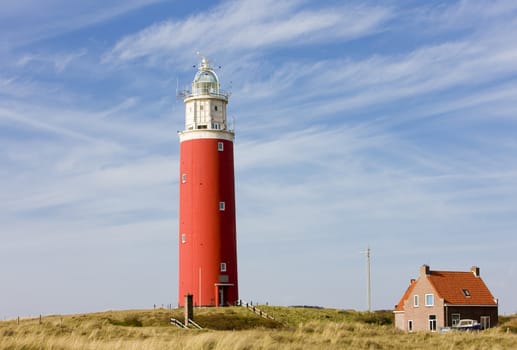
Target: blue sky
{"points": [[383, 123]]}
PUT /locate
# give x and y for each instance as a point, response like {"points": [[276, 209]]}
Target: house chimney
{"points": [[424, 270], [411, 281], [475, 270]]}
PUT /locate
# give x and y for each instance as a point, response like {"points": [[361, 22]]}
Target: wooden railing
{"points": [[177, 323], [194, 324], [180, 324], [255, 310]]}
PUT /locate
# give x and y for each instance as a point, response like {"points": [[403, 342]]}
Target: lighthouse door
{"points": [[221, 295]]}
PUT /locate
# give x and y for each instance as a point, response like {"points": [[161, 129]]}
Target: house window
{"points": [[220, 146], [455, 318], [429, 300], [223, 267], [466, 292], [415, 300], [221, 206], [410, 325], [432, 323], [183, 178], [183, 238]]}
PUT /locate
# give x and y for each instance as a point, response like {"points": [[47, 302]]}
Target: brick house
{"points": [[441, 298]]}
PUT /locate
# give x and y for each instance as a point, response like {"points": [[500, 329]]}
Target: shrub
{"points": [[128, 321]]}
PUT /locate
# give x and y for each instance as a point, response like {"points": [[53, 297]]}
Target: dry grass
{"points": [[300, 329]]}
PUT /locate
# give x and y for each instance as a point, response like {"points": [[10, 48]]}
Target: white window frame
{"points": [[223, 267], [415, 300], [432, 323], [432, 299], [183, 178], [455, 319], [183, 238], [485, 322], [220, 146], [222, 206]]}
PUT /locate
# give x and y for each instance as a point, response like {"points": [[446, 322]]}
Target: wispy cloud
{"points": [[59, 61], [463, 14], [250, 25], [26, 21], [378, 80], [34, 123]]}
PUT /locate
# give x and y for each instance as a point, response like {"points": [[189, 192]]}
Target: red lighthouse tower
{"points": [[207, 230]]}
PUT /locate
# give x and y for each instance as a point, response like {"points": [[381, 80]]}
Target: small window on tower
{"points": [[215, 108], [183, 238], [201, 107], [220, 146], [183, 178], [223, 267], [221, 206]]}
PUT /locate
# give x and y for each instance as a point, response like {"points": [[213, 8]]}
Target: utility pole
{"points": [[368, 279]]}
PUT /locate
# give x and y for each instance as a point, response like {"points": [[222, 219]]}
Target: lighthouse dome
{"points": [[206, 77], [205, 81]]}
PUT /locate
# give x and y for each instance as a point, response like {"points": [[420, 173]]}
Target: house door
{"points": [[432, 323], [485, 322]]}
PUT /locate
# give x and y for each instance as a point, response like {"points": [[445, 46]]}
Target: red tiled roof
{"points": [[450, 286], [400, 305]]}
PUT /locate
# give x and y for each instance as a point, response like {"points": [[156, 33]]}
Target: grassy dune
{"points": [[237, 328]]}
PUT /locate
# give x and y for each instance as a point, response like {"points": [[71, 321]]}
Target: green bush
{"points": [[128, 321]]}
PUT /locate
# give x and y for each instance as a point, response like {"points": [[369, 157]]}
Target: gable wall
{"points": [[420, 314]]}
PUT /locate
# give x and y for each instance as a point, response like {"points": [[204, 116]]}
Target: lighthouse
{"points": [[207, 228]]}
